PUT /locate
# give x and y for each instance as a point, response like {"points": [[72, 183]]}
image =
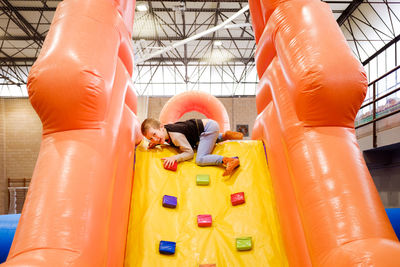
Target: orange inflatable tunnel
{"points": [[310, 90], [198, 101]]}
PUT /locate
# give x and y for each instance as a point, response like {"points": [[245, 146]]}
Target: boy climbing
{"points": [[188, 135]]}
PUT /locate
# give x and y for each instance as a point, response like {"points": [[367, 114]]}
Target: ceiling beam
{"points": [[21, 38], [196, 59], [53, 9], [170, 38], [21, 22], [158, 9], [386, 46], [348, 11], [28, 8], [5, 60], [18, 60]]}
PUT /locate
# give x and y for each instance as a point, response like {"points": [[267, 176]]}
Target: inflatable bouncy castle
{"points": [[94, 199]]}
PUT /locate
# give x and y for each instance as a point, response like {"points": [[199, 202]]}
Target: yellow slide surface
{"points": [[150, 222]]}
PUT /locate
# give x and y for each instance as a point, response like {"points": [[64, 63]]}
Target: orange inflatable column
{"points": [[275, 143], [267, 128], [292, 230], [76, 211], [122, 183], [257, 18], [316, 100]]}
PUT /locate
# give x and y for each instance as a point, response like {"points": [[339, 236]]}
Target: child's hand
{"points": [[168, 162], [151, 145]]}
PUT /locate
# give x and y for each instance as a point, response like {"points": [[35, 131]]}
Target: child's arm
{"points": [[182, 143]]}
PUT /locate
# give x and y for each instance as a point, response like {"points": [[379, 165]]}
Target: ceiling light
{"points": [[141, 7], [217, 43], [180, 7], [217, 56]]}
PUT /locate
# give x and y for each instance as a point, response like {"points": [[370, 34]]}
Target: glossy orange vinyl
{"points": [[198, 101], [267, 129], [317, 87], [264, 95], [268, 7], [77, 207], [333, 91], [257, 20]]}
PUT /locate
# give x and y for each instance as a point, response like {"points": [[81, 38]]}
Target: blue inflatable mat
{"points": [[8, 224]]}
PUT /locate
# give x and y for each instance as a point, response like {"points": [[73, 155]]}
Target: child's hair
{"points": [[149, 123]]}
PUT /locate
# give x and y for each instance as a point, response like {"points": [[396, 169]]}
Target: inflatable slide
{"points": [[257, 218], [309, 202]]}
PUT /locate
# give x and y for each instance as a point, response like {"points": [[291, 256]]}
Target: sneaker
{"points": [[230, 165], [231, 135]]}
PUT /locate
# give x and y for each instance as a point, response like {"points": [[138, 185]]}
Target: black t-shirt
{"points": [[190, 128]]}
